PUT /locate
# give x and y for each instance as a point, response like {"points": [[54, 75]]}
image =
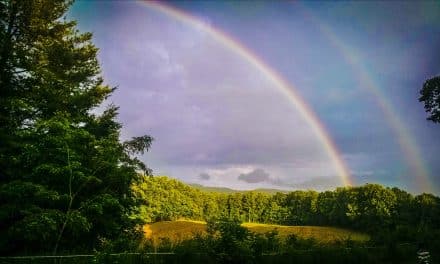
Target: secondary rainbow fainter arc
{"points": [[406, 142], [283, 86]]}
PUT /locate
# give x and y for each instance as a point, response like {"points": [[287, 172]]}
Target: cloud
{"points": [[209, 110], [255, 176], [202, 113], [205, 176]]}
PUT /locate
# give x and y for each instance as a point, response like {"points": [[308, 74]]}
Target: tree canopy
{"points": [[370, 207], [430, 96], [65, 175]]}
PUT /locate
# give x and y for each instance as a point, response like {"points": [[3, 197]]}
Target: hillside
{"points": [[213, 189], [229, 190]]}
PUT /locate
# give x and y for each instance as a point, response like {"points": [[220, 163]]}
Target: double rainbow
{"points": [[410, 150]]}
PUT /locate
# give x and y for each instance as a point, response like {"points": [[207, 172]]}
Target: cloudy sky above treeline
{"points": [[218, 121]]}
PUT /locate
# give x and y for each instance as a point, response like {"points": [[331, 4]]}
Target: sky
{"points": [[202, 85]]}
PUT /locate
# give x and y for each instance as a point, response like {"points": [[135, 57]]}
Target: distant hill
{"points": [[213, 189], [229, 191]]}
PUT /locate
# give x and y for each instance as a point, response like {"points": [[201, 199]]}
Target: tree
{"points": [[302, 207], [430, 95], [65, 176], [375, 206], [232, 241]]}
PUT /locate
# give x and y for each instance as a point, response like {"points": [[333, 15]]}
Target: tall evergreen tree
{"points": [[65, 176]]}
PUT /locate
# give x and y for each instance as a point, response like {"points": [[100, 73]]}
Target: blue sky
{"points": [[217, 121]]}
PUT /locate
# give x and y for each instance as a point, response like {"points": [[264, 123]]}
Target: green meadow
{"points": [[180, 230]]}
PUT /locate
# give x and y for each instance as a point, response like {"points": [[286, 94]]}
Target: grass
{"points": [[177, 231], [323, 234], [173, 231]]}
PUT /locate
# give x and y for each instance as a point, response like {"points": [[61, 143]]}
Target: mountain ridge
{"points": [[230, 191]]}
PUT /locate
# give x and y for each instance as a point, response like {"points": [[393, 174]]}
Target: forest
{"points": [[69, 185], [371, 208], [388, 215]]}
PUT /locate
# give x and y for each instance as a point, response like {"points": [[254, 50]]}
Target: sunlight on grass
{"points": [[322, 234], [173, 231], [177, 231]]}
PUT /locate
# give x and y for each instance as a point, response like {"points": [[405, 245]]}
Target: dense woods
{"points": [[372, 208], [398, 222], [65, 176]]}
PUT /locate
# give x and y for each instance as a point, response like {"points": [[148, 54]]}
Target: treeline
{"points": [[370, 208]]}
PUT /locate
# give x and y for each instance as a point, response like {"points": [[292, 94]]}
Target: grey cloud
{"points": [[200, 113], [203, 113], [204, 176], [255, 176]]}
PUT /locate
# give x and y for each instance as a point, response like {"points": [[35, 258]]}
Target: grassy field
{"points": [[180, 230], [175, 231], [320, 233]]}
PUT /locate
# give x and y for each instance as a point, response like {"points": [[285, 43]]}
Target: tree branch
{"points": [[69, 207]]}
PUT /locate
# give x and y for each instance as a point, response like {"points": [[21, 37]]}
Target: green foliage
{"points": [[372, 206], [430, 96], [232, 241], [302, 206], [65, 177], [229, 243], [389, 215], [162, 199], [68, 184]]}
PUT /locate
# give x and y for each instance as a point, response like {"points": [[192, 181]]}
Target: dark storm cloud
{"points": [[255, 176], [204, 176]]}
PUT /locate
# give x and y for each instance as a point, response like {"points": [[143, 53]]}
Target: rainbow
{"points": [[281, 84], [405, 140]]}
